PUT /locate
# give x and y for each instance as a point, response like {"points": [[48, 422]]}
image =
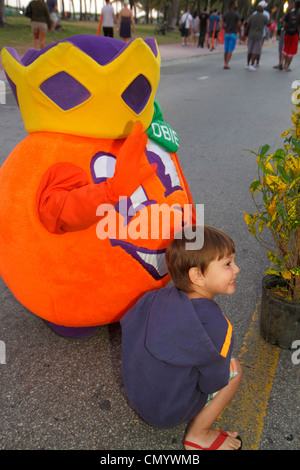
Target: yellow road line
{"points": [[246, 412]]}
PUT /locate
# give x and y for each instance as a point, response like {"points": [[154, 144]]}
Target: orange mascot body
{"points": [[80, 240]]}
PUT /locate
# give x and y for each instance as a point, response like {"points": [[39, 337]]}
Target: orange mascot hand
{"points": [[132, 166], [67, 202]]}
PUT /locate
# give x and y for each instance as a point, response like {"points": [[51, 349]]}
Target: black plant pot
{"points": [[280, 318]]}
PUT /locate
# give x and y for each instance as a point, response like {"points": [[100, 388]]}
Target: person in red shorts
{"points": [[291, 24]]}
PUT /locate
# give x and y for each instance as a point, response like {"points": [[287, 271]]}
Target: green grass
{"points": [[18, 34]]}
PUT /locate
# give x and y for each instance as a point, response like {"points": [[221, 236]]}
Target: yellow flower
{"points": [[286, 133], [278, 185], [296, 161], [269, 167], [286, 274], [248, 219], [272, 209], [261, 225]]}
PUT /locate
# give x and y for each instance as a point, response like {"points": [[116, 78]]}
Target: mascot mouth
{"points": [[152, 260]]}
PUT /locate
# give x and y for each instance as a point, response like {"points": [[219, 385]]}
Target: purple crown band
{"points": [[101, 49]]}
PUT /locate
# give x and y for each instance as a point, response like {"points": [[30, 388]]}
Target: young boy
{"points": [[177, 344]]}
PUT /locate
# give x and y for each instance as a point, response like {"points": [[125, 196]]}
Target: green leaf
{"points": [[296, 142], [280, 154], [272, 271], [280, 209], [272, 257], [283, 173], [254, 186], [296, 271], [264, 149]]}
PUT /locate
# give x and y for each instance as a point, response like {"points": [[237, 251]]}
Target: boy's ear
{"points": [[196, 276]]}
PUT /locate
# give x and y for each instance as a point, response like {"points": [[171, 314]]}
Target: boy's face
{"points": [[219, 278]]}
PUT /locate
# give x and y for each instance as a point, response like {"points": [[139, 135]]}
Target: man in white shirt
{"points": [[186, 27], [107, 19]]}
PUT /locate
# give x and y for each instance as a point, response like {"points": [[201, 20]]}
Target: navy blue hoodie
{"points": [[175, 351]]}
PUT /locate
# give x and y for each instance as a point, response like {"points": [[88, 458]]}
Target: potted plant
{"points": [[276, 225]]}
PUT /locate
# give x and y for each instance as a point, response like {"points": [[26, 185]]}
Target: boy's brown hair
{"points": [[179, 259]]}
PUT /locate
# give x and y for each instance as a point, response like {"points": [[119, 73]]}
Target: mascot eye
{"points": [[137, 94], [65, 91], [102, 166], [138, 198]]}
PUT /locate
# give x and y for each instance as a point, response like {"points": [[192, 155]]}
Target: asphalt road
{"points": [[63, 394]]}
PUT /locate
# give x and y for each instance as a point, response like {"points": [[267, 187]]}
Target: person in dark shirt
{"points": [[177, 345], [203, 17], [232, 23], [38, 12]]}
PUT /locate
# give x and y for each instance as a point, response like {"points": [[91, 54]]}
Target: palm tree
{"points": [[2, 14], [73, 8], [173, 14]]}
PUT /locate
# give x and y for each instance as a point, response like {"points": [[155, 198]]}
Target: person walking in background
{"points": [[243, 26], [264, 5], [231, 22], [291, 23], [221, 31], [195, 28], [125, 22], [203, 19], [107, 20], [38, 12], [255, 31], [272, 30], [279, 28], [214, 28], [186, 27], [280, 47], [53, 12]]}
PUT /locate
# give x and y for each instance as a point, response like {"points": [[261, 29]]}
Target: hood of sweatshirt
{"points": [[182, 342]]}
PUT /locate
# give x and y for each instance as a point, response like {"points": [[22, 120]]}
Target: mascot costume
{"points": [[97, 156]]}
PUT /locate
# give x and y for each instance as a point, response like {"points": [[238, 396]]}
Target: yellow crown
{"points": [[86, 85]]}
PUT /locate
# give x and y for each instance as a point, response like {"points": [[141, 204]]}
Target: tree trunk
{"points": [[73, 8], [173, 14], [147, 11], [2, 14], [96, 14]]}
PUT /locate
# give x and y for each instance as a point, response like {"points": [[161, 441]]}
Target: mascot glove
{"points": [[132, 166]]}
